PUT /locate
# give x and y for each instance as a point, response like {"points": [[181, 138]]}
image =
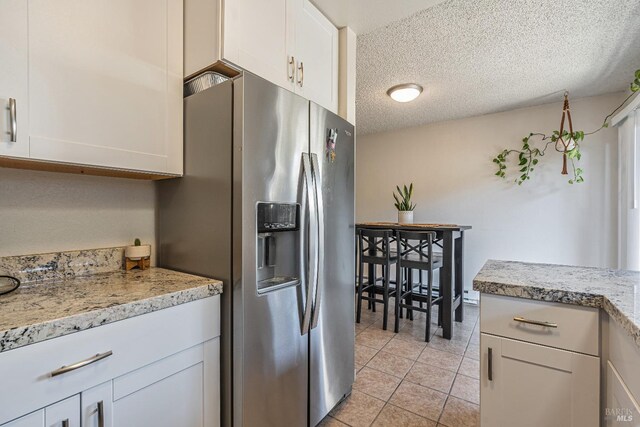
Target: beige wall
{"points": [[545, 220], [45, 212]]}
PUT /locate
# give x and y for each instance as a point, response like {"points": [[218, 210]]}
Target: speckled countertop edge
{"points": [[612, 290], [73, 291]]}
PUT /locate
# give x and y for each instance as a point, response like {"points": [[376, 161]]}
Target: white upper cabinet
{"points": [[96, 83], [288, 42], [14, 139], [256, 37], [105, 83], [316, 54]]}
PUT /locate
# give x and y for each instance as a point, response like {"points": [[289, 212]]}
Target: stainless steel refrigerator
{"points": [[267, 205]]}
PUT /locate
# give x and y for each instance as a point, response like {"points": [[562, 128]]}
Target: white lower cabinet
{"points": [[34, 419], [65, 413], [171, 392], [531, 385], [97, 406], [172, 401], [164, 371], [622, 408]]}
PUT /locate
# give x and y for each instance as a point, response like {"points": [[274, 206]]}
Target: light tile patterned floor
{"points": [[403, 381]]}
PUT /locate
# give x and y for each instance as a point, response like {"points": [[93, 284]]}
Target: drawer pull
{"points": [[13, 121], [77, 365], [301, 74], [535, 322], [490, 364], [291, 67], [100, 411]]}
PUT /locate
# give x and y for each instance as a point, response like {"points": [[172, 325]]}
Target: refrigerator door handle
{"points": [[312, 245], [319, 252]]}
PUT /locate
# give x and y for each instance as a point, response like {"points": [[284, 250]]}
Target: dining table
{"points": [[451, 238]]}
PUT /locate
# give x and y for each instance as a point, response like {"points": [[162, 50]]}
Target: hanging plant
{"points": [[565, 141]]}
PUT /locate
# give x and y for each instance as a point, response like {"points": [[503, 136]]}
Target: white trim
{"points": [[632, 105]]}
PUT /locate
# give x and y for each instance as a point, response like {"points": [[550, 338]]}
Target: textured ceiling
{"points": [[477, 57], [363, 16]]}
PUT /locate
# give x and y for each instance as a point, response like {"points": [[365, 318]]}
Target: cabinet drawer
{"points": [[134, 343], [569, 327]]}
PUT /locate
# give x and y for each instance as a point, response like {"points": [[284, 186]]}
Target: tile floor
{"points": [[403, 381]]}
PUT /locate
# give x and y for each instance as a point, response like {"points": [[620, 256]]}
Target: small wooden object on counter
{"points": [[141, 263], [137, 255]]}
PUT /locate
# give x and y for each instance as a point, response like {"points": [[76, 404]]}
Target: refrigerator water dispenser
{"points": [[277, 246]]}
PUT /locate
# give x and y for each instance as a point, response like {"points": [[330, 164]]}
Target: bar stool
{"points": [[415, 249], [374, 249]]}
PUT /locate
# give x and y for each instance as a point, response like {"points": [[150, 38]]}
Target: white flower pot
{"points": [[405, 217], [137, 252]]}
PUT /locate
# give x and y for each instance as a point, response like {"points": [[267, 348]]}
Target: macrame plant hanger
{"points": [[562, 146]]}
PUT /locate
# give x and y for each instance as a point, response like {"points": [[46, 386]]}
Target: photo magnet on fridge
{"points": [[332, 138]]}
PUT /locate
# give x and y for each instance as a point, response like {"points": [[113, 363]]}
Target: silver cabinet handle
{"points": [[490, 364], [13, 120], [535, 322], [83, 363], [100, 411], [65, 423], [291, 68], [301, 74]]}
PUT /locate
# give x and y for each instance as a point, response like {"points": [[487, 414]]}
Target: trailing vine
{"points": [[564, 141]]}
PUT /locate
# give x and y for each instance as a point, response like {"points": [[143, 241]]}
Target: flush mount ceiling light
{"points": [[405, 92]]}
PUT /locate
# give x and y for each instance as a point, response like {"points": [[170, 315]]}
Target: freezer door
{"points": [[270, 349], [332, 343]]}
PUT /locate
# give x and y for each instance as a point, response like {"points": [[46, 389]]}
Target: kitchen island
{"points": [[561, 337]]}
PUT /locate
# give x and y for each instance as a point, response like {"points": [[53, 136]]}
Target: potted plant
{"points": [[137, 255], [403, 204]]}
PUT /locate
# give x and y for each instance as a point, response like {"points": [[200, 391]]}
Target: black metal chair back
{"points": [[375, 249], [375, 245], [415, 249], [415, 252]]}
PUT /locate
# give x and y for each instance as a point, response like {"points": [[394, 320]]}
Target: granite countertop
{"points": [[615, 291], [69, 292]]}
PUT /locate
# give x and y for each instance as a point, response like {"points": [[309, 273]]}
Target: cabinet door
{"points": [[316, 46], [176, 400], [256, 38], [97, 406], [105, 83], [622, 408], [13, 78], [530, 385], [34, 419], [182, 389], [65, 413]]}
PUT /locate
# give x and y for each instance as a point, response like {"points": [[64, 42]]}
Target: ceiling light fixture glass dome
{"points": [[405, 92]]}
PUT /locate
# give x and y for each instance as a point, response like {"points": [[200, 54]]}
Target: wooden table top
{"points": [[415, 226]]}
